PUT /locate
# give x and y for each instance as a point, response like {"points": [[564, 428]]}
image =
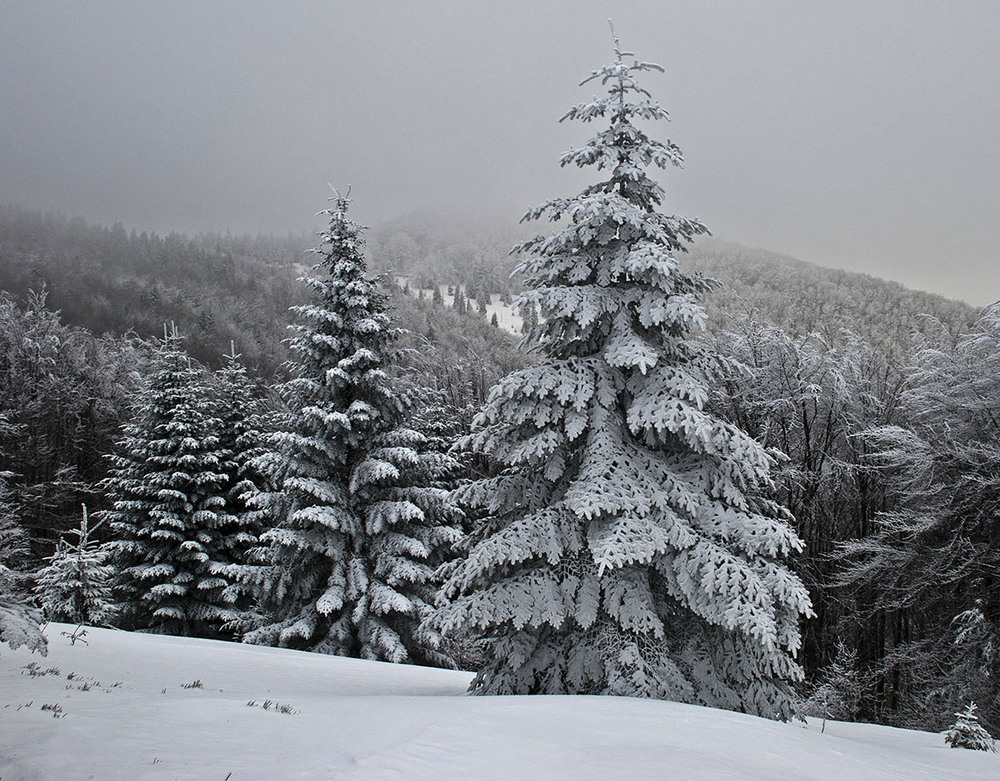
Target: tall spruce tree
{"points": [[174, 537], [361, 524], [629, 548]]}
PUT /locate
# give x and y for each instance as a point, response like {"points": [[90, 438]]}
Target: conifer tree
{"points": [[241, 413], [19, 623], [360, 522], [628, 548], [174, 538], [75, 584], [967, 732]]}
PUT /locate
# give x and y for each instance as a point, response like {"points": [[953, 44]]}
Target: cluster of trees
{"points": [[741, 517]]}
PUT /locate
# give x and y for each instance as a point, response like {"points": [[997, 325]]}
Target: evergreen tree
{"points": [[241, 412], [967, 732], [75, 584], [174, 538], [838, 694], [360, 521], [19, 623], [628, 548]]}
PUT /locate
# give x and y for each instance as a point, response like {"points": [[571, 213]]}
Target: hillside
{"points": [[126, 706], [221, 288], [801, 297]]}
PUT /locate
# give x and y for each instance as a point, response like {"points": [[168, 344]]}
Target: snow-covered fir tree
{"points": [[839, 690], [174, 537], [19, 622], [967, 732], [75, 583], [242, 413], [629, 548], [360, 521]]}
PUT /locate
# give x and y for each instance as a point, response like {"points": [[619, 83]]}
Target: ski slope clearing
{"points": [[132, 706]]}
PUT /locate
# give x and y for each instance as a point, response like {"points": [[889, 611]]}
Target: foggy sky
{"points": [[852, 134]]}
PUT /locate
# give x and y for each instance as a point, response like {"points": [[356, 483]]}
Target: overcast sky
{"points": [[855, 134]]}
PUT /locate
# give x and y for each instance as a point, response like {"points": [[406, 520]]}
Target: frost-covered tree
{"points": [[628, 547], [242, 413], [839, 690], [360, 524], [811, 398], [967, 732], [927, 577], [19, 623], [174, 537], [75, 583]]}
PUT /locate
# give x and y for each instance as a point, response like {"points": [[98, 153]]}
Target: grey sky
{"points": [[855, 134]]}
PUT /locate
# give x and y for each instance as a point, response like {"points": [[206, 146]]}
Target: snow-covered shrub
{"points": [[838, 693], [967, 732], [19, 622], [75, 584]]}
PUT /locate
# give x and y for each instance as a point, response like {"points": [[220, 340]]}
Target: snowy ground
{"points": [[118, 708]]}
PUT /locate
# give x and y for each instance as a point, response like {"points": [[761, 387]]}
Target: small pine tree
{"points": [[494, 322], [482, 302], [75, 585], [838, 695], [967, 732], [241, 413], [458, 303], [360, 522]]}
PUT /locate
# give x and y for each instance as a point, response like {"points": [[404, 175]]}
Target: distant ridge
{"points": [[219, 288], [802, 297]]}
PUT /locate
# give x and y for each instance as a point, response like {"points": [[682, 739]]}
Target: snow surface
{"points": [[354, 719]]}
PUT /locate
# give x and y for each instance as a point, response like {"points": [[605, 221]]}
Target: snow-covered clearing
{"points": [[133, 706]]}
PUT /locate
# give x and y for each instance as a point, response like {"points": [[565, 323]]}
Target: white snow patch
{"points": [[126, 714]]}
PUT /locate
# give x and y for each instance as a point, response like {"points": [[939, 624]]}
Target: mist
{"points": [[854, 135]]}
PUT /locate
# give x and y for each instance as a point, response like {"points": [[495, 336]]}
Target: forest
{"points": [[717, 476]]}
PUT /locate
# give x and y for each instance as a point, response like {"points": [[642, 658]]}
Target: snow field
{"points": [[353, 719]]}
